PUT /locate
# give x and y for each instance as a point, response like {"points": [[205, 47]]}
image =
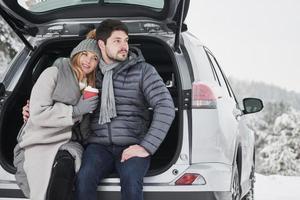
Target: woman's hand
{"points": [[85, 106]]}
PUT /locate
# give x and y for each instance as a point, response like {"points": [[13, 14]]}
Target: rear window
{"points": [[46, 5]]}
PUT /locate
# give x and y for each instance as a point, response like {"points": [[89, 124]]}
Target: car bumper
{"points": [[157, 195], [170, 195]]}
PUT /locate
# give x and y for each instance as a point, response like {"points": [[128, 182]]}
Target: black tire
{"points": [[235, 187]]}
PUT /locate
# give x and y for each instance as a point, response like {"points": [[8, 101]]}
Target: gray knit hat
{"points": [[87, 45]]}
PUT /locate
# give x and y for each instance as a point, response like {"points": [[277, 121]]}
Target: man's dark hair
{"points": [[106, 27]]}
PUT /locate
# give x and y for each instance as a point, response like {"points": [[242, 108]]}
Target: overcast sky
{"points": [[252, 39]]}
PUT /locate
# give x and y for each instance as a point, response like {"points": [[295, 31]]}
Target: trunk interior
{"points": [[155, 53]]}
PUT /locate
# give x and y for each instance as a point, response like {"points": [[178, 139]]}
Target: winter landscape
{"points": [[277, 129], [276, 187], [258, 40]]}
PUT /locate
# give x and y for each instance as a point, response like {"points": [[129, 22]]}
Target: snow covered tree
{"points": [[277, 131], [281, 152], [274, 109], [10, 44]]}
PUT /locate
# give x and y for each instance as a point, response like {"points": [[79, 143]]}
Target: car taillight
{"points": [[191, 179], [203, 96]]}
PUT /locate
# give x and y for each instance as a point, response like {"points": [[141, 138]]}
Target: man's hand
{"points": [[25, 111], [134, 151]]}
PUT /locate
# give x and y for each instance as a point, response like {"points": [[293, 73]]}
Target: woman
{"points": [[56, 104]]}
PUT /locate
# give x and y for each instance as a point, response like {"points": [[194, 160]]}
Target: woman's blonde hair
{"points": [[91, 77]]}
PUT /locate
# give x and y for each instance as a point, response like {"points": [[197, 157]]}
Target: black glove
{"points": [[85, 106]]}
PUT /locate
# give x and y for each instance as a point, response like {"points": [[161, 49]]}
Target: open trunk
{"points": [[155, 51]]}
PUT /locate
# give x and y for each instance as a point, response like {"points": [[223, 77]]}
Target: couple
{"points": [[121, 136]]}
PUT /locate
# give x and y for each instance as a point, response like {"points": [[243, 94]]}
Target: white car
{"points": [[208, 152]]}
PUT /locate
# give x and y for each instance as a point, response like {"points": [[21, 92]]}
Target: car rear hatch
{"points": [[42, 17], [48, 19]]}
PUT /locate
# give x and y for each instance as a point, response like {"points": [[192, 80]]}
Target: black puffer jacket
{"points": [[137, 86]]}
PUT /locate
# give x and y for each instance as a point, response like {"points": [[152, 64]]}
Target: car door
{"points": [[227, 110], [233, 123]]}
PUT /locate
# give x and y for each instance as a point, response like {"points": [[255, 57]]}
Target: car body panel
{"points": [[206, 149]]}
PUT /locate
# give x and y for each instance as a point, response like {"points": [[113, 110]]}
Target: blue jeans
{"points": [[98, 161]]}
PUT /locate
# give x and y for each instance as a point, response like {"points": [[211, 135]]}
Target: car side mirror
{"points": [[252, 105]]}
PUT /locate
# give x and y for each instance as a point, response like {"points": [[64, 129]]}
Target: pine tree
{"points": [[281, 152], [10, 44]]}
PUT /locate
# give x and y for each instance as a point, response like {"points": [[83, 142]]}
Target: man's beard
{"points": [[122, 57], [117, 58]]}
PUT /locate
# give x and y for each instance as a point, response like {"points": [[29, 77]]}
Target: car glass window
{"points": [[213, 69], [215, 74], [219, 73], [150, 3], [10, 45], [46, 5], [202, 62], [229, 88]]}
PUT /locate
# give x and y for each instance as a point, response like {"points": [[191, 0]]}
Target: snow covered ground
{"points": [[277, 187]]}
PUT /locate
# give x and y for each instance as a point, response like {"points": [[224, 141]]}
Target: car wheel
{"points": [[235, 188], [250, 194]]}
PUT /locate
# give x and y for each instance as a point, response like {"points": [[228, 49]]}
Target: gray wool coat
{"points": [[48, 129]]}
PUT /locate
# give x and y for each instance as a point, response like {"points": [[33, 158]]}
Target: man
{"points": [[122, 137]]}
